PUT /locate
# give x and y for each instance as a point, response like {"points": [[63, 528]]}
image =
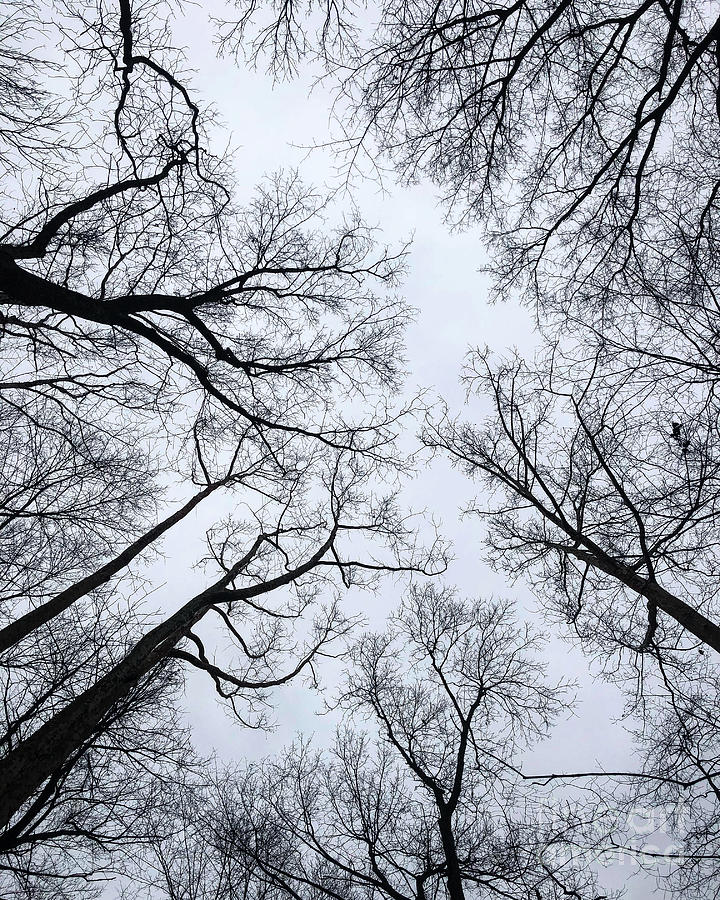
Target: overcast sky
{"points": [[454, 313]]}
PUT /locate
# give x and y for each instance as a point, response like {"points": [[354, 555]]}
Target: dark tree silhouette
{"points": [[607, 503], [112, 796], [583, 135], [159, 340], [429, 807], [603, 482]]}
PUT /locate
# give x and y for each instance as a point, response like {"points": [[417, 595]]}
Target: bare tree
{"points": [[431, 805], [158, 339], [603, 490], [581, 131], [607, 501], [583, 135], [114, 795]]}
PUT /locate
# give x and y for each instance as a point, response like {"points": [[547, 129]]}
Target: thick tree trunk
{"points": [[41, 754], [454, 877]]}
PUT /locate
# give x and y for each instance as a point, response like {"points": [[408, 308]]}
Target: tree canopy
{"points": [[168, 349]]}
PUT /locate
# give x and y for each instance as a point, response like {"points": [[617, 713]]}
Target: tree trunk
{"points": [[41, 754], [14, 632], [454, 877], [684, 614]]}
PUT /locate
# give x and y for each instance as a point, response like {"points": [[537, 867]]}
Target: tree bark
{"points": [[36, 758]]}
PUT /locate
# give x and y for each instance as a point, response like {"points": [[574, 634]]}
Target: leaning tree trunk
{"points": [[43, 753], [19, 629]]}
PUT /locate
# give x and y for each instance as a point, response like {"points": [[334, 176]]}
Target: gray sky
{"points": [[453, 314]]}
